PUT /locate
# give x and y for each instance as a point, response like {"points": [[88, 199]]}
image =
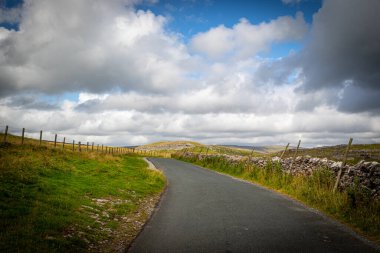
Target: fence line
{"points": [[59, 141]]}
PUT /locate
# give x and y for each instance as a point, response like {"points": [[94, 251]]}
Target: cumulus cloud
{"points": [[90, 45], [31, 101], [245, 40], [343, 55], [137, 83]]}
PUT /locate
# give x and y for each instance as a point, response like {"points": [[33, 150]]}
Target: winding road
{"points": [[203, 211]]}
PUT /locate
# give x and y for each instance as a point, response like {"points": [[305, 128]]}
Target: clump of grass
{"points": [[352, 206], [58, 201]]}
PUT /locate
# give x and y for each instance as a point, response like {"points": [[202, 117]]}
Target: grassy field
{"points": [[63, 201], [352, 206]]}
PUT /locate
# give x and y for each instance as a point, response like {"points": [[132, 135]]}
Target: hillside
{"points": [[55, 200], [169, 145], [260, 149]]}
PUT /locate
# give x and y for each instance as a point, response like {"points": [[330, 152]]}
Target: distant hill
{"points": [[169, 145], [227, 149], [260, 149]]}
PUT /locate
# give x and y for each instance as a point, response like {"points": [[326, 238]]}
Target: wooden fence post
{"points": [[79, 147], [23, 135], [102, 148], [343, 164], [55, 140], [295, 155], [40, 137], [5, 134], [283, 153], [73, 145], [92, 146], [97, 148], [63, 143], [87, 147]]}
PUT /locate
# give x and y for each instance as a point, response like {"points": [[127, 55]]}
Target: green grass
{"points": [[62, 201], [353, 206]]}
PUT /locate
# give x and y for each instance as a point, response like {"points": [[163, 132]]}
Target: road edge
{"points": [[151, 166], [157, 205]]}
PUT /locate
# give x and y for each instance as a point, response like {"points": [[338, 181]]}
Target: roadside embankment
{"points": [[54, 200]]}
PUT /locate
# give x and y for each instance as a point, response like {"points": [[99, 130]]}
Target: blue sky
{"points": [[188, 17], [191, 17], [125, 72]]}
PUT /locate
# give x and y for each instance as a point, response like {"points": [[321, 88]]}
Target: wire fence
{"points": [[24, 136]]}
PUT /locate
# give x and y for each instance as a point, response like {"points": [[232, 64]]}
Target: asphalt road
{"points": [[203, 211]]}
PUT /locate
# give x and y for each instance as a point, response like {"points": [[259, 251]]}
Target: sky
{"points": [[131, 72]]}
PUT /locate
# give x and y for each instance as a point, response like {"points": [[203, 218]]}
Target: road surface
{"points": [[203, 211]]}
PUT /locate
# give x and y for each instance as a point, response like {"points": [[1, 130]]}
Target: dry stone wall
{"points": [[366, 174]]}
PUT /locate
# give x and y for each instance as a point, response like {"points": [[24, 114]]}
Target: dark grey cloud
{"points": [[359, 99], [30, 102], [343, 54]]}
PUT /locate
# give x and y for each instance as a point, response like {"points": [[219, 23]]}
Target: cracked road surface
{"points": [[203, 211]]}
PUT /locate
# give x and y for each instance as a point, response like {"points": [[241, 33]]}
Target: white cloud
{"points": [[245, 40], [90, 46], [137, 83], [216, 42], [130, 127]]}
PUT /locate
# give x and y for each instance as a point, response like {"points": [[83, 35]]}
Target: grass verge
{"points": [[353, 206], [62, 201]]}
